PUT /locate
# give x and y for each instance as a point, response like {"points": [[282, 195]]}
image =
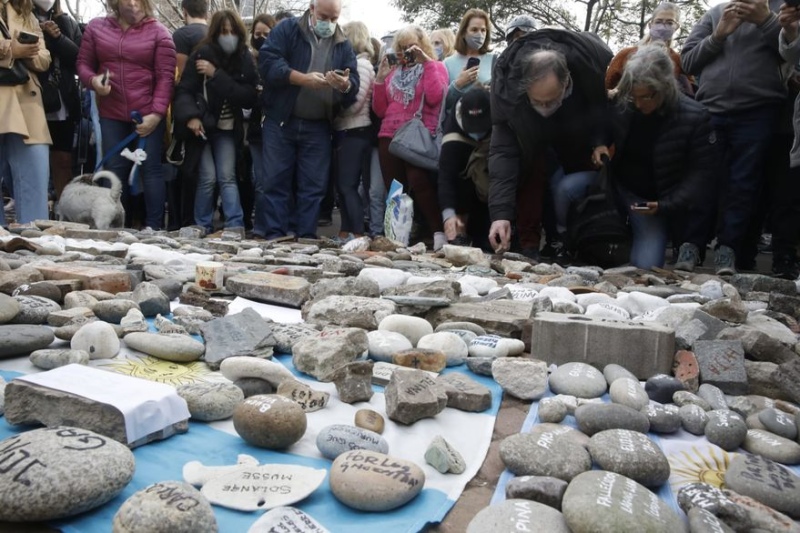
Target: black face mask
{"points": [[258, 42]]}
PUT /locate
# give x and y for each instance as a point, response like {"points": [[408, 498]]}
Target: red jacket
{"points": [[141, 60]]}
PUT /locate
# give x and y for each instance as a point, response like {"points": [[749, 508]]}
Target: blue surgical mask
{"points": [[475, 40], [439, 51], [228, 43], [477, 136], [661, 32], [324, 28]]}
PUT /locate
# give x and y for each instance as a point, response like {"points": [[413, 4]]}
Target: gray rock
{"points": [[113, 311], [525, 379], [693, 419], [681, 398], [167, 346], [308, 399], [61, 472], [172, 506], [593, 418], [384, 344], [171, 287], [11, 279], [79, 299], [353, 381], [269, 421], [713, 395], [45, 289], [34, 309], [551, 410], [663, 418], [727, 309], [98, 339], [348, 311], [772, 447], [211, 401], [787, 378], [350, 286], [151, 299], [613, 372], [23, 339], [287, 335], [546, 490], [480, 365], [518, 515], [628, 392], [765, 481], [412, 395], [778, 423], [725, 429], [242, 334], [64, 317], [443, 457], [9, 308], [631, 454], [578, 379], [291, 291], [372, 481], [722, 364], [761, 381], [332, 441], [604, 501], [48, 359], [660, 388], [745, 283], [701, 521], [468, 326], [750, 404], [254, 386], [320, 356], [544, 454], [235, 368], [759, 345], [464, 393]]}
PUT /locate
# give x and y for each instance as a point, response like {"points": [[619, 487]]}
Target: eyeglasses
{"points": [[666, 22]]}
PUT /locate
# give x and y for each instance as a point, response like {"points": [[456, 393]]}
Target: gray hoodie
{"points": [[790, 51], [743, 71]]}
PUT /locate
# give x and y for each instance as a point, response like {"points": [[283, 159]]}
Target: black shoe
{"points": [[785, 267], [549, 250]]}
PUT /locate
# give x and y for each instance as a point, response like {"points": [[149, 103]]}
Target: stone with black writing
{"points": [[552, 410], [525, 379], [628, 392], [151, 299], [701, 521], [682, 397], [772, 447], [54, 473], [98, 339], [236, 368], [495, 346], [211, 401], [286, 519], [448, 343], [334, 440], [605, 501], [422, 359], [353, 381], [375, 482], [779, 423], [47, 359], [765, 481], [173, 347], [411, 327], [173, 506], [262, 487], [23, 339], [518, 515], [369, 419], [631, 454], [464, 393], [595, 417], [661, 387], [9, 308], [663, 418], [713, 395], [34, 309], [725, 429], [319, 356], [722, 364], [412, 395], [693, 419], [544, 454], [114, 310], [384, 344], [578, 379], [306, 397], [287, 335], [241, 334], [269, 421]]}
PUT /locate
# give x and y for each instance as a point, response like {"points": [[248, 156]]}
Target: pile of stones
{"points": [[719, 358]]}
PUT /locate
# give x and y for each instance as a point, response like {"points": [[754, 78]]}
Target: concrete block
{"points": [[722, 364], [507, 318], [100, 279], [646, 349]]}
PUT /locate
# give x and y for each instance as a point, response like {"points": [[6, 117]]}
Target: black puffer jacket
{"points": [[685, 158], [65, 48]]}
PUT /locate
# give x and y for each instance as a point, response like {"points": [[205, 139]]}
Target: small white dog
{"points": [[85, 201]]}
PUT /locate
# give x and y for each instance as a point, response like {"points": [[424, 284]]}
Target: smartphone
{"points": [[409, 56], [27, 38], [338, 72], [476, 61], [640, 206], [104, 79], [391, 58]]}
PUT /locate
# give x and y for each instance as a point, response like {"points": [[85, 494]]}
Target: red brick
{"points": [[685, 368]]}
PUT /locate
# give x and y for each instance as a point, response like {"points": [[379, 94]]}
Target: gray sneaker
{"points": [[688, 257], [725, 261]]}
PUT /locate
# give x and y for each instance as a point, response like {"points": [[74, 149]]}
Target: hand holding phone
{"points": [[640, 206], [104, 79], [339, 72], [476, 61], [27, 38], [391, 58]]}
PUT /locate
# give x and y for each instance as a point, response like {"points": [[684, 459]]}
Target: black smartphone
{"points": [[409, 56], [104, 79], [27, 38], [476, 61], [338, 72], [391, 58]]}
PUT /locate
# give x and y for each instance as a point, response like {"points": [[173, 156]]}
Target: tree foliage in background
{"points": [[619, 22]]}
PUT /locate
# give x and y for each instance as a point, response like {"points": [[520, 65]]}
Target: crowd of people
{"points": [[261, 129]]}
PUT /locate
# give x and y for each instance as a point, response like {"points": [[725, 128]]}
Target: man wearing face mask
{"points": [[549, 119], [309, 71]]}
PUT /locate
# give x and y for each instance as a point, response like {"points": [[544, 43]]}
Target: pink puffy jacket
{"points": [[141, 60]]}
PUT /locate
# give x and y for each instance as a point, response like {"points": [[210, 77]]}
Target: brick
{"points": [[646, 349], [503, 317], [722, 364], [273, 288], [96, 234], [685, 368], [92, 278]]}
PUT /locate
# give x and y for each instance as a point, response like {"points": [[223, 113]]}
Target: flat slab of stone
{"points": [[722, 364], [559, 338], [100, 279], [271, 288], [23, 339], [506, 318], [242, 334]]}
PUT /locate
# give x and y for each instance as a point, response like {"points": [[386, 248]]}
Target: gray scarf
{"points": [[404, 83]]}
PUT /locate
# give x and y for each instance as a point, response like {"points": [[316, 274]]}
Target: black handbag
{"points": [[17, 74], [51, 97]]}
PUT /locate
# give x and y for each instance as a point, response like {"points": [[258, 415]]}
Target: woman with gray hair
{"points": [[664, 160]]}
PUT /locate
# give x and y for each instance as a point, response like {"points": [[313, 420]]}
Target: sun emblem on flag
{"points": [[160, 371], [700, 466]]}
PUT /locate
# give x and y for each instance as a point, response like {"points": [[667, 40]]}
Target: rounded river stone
{"points": [[663, 418], [34, 309], [765, 481], [270, 421], [369, 419], [54, 473], [9, 308], [47, 359], [411, 327], [693, 419], [98, 339], [772, 447], [23, 339], [631, 454], [578, 379], [778, 422], [662, 387], [629, 392], [612, 372], [518, 515], [172, 506], [332, 441], [593, 418], [552, 410], [544, 454], [113, 311], [167, 346], [211, 401], [725, 429], [373, 481], [254, 386]]}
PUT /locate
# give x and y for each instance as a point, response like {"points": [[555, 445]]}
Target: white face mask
{"points": [[228, 43], [45, 5]]}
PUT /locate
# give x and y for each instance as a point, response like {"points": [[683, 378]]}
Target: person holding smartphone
{"points": [[471, 64], [24, 137]]}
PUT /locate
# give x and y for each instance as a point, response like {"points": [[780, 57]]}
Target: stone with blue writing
{"points": [[631, 454], [57, 472], [629, 392], [518, 515], [772, 447], [375, 482], [270, 421], [495, 346], [444, 457], [334, 440], [469, 326], [778, 422], [286, 519], [604, 501], [172, 506], [544, 454], [448, 343], [258, 488], [725, 429], [578, 379], [765, 481]]}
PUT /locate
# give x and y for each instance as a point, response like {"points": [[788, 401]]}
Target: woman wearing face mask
{"points": [[662, 27], [472, 44], [128, 59], [62, 37], [222, 73], [443, 41]]}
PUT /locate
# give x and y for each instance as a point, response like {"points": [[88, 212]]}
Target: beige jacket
{"points": [[21, 109]]}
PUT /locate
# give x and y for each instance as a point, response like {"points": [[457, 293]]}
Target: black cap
{"points": [[475, 111]]}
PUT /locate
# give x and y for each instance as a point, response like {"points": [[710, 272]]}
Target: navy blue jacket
{"points": [[288, 48]]}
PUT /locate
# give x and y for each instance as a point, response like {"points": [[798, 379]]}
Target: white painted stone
{"points": [[448, 343], [556, 293], [382, 344], [639, 303], [98, 339], [386, 278], [235, 368], [255, 488], [482, 285], [607, 310], [411, 327]]}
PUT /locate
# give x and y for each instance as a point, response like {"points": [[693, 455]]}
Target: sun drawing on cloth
{"points": [[161, 371], [707, 466]]}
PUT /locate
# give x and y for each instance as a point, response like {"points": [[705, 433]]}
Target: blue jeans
{"points": [[377, 195], [151, 171], [650, 233], [299, 150], [259, 188], [353, 148], [568, 189], [29, 168], [218, 166]]}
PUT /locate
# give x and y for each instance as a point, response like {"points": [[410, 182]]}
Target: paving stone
{"points": [[353, 381], [506, 318], [241, 334], [464, 393], [788, 379], [348, 311], [759, 345], [412, 395], [271, 288], [112, 281], [761, 380], [522, 378], [722, 364]]}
